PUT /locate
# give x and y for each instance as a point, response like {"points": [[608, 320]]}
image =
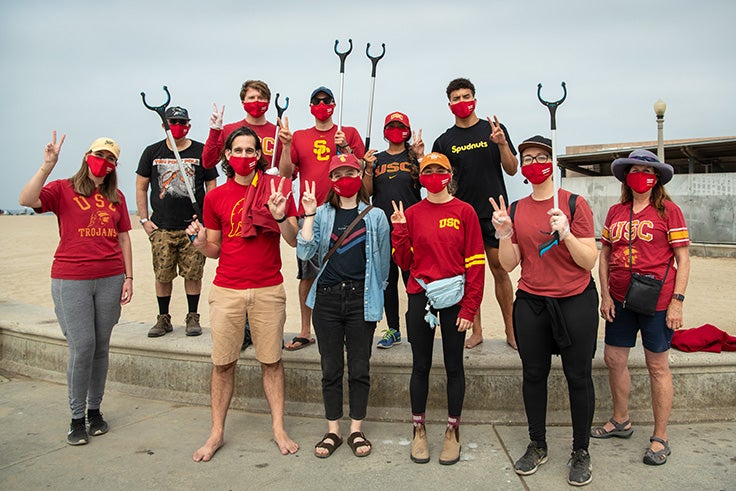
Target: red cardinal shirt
{"points": [[441, 241], [245, 262], [217, 138], [89, 247], [652, 249], [311, 151]]}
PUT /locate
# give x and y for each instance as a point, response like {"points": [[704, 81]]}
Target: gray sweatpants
{"points": [[87, 310]]}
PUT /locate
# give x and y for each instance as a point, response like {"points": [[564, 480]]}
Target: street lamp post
{"points": [[659, 108]]}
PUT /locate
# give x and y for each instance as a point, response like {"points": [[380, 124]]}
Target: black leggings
{"points": [[421, 337], [391, 295], [532, 326]]}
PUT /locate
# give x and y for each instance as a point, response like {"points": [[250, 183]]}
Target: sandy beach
{"points": [[28, 244]]}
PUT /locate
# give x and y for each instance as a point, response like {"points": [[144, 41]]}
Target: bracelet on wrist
{"points": [[280, 220], [309, 214], [128, 277]]}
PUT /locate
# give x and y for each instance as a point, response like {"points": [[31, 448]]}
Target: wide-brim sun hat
{"points": [[642, 157]]}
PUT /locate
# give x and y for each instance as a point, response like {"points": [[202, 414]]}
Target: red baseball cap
{"points": [[345, 160], [399, 117]]}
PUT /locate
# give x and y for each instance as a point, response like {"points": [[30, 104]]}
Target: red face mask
{"points": [[641, 182], [396, 135], [463, 109], [256, 108], [435, 183], [322, 111], [347, 186], [179, 130], [98, 166], [243, 165], [537, 173]]}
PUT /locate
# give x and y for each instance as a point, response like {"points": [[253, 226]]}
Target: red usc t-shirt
{"points": [[252, 262], [89, 247], [555, 274], [311, 151], [441, 241], [216, 142], [651, 247]]}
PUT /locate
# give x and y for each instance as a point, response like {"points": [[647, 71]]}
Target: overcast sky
{"points": [[79, 67]]}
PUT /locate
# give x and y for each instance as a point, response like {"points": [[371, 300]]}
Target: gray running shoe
{"points": [[581, 470], [531, 460]]}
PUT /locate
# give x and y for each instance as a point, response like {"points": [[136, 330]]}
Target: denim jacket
{"points": [[377, 253]]}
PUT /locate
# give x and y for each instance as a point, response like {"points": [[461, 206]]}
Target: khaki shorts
{"points": [[266, 311], [172, 248]]}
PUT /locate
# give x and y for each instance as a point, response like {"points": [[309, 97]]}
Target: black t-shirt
{"points": [[170, 203], [476, 163], [392, 180], [348, 261]]}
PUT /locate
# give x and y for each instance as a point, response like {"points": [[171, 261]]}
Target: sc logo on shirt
{"points": [[450, 223], [321, 150]]}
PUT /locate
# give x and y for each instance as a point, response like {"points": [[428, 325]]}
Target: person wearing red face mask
{"points": [[646, 234], [244, 221], [555, 311], [92, 272], [172, 211], [307, 155], [351, 244], [439, 241], [393, 175], [480, 152], [256, 97]]}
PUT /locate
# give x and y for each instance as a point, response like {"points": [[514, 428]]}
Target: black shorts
{"points": [[489, 232]]}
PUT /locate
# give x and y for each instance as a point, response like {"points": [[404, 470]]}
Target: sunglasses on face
{"points": [[325, 100], [182, 122]]}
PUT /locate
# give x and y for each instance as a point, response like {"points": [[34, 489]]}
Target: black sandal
{"points": [[660, 456], [330, 447], [354, 446], [619, 430]]}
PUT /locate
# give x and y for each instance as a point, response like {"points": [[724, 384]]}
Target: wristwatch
{"points": [[678, 296], [143, 220]]}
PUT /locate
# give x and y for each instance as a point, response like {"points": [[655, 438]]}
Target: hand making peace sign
{"points": [[51, 152], [398, 215], [501, 219], [277, 201], [309, 199], [497, 135], [216, 117]]}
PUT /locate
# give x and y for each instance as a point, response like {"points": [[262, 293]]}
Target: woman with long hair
{"points": [[92, 272], [645, 234]]}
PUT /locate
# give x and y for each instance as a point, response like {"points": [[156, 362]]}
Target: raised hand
{"points": [[501, 219], [398, 215], [309, 200], [51, 152], [340, 139], [497, 135], [216, 117], [277, 201], [418, 145], [284, 133]]}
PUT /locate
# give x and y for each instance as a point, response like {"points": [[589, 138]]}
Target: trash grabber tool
{"points": [[342, 56], [374, 61], [161, 111], [280, 112], [552, 106]]}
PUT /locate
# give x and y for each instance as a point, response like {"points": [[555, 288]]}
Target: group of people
{"points": [[358, 223]]}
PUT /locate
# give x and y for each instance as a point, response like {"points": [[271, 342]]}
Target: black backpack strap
{"points": [[572, 203], [512, 210]]}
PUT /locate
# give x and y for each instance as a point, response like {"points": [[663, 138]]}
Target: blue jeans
{"points": [[339, 325], [87, 311]]}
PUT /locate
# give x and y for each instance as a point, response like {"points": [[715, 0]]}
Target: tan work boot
{"points": [[162, 326], [451, 448], [419, 445], [192, 323]]}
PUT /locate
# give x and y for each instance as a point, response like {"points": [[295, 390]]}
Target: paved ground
{"points": [[151, 442]]}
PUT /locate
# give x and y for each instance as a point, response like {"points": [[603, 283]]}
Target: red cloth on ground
{"points": [[704, 338]]}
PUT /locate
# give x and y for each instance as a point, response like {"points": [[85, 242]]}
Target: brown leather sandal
{"points": [[330, 447], [354, 446]]}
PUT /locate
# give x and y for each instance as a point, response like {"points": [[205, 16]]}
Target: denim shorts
{"points": [[655, 335]]}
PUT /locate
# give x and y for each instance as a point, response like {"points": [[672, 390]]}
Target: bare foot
{"points": [[473, 341], [286, 445], [207, 451]]}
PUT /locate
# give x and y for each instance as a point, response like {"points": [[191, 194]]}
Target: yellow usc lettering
{"points": [[450, 223], [321, 150]]}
